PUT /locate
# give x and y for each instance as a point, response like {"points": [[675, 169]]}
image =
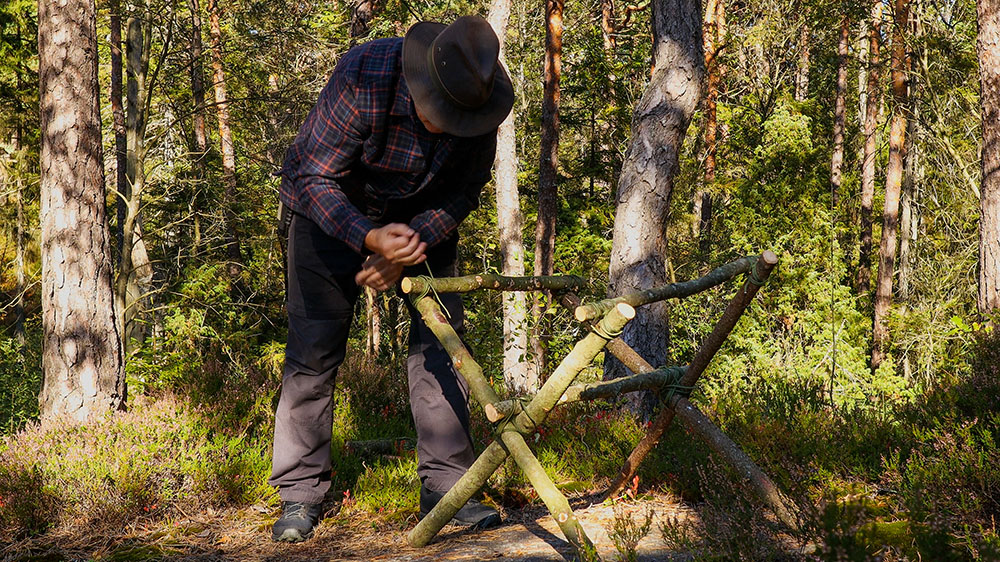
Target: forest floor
{"points": [[528, 534]]}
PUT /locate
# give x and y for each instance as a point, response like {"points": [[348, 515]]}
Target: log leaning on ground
{"points": [[511, 441], [699, 425], [715, 277], [708, 349], [423, 285]]}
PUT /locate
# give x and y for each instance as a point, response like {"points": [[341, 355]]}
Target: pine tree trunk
{"points": [[233, 252], [840, 111], [989, 204], [545, 227], [198, 85], [81, 350], [872, 99], [893, 184], [703, 197], [660, 123], [519, 371], [21, 286], [913, 172], [608, 24]]}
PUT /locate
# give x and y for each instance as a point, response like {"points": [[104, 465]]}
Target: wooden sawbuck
{"points": [[515, 418]]}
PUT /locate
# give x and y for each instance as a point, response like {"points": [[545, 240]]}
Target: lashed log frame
{"points": [[715, 277], [701, 426], [512, 441], [708, 349], [423, 285]]}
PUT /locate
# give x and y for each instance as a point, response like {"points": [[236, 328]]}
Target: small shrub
{"points": [[626, 532]]}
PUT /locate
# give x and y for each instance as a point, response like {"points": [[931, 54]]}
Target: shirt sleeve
{"points": [[334, 144], [436, 225]]}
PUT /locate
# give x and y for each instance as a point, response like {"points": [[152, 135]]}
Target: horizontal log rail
{"points": [[468, 283], [715, 277]]}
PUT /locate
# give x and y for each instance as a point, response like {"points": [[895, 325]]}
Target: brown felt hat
{"points": [[455, 76]]}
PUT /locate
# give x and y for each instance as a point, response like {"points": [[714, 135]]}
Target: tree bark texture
{"points": [[802, 71], [840, 112], [872, 102], [989, 204], [233, 252], [659, 125], [197, 84], [909, 218], [373, 317], [893, 185], [608, 25], [361, 15], [81, 351], [703, 197], [519, 372], [134, 268], [548, 206], [118, 118]]}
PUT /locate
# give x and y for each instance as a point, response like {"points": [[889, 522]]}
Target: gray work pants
{"points": [[321, 299]]}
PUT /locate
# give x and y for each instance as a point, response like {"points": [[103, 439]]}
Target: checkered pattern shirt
{"points": [[363, 159]]}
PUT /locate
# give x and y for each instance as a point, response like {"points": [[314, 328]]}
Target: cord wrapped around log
{"points": [[423, 284], [715, 277]]}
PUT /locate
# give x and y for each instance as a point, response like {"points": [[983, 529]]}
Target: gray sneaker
{"points": [[297, 522]]}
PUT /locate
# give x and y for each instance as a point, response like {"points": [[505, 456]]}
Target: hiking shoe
{"points": [[473, 514], [297, 522]]}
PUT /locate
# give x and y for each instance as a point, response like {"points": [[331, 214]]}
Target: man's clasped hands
{"points": [[395, 246]]}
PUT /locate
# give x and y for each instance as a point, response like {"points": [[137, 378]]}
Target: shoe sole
{"points": [[291, 536], [483, 524]]}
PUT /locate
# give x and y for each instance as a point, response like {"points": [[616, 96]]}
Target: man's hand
{"points": [[397, 243], [378, 273]]}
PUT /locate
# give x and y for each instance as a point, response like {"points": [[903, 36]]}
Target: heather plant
{"points": [[626, 531]]}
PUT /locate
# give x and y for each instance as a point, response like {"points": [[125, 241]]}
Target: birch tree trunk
{"points": [[519, 370], [873, 100], [197, 71], [659, 125], [118, 120], [134, 267], [802, 71], [840, 111], [81, 349], [233, 252], [893, 184], [545, 227], [989, 204]]}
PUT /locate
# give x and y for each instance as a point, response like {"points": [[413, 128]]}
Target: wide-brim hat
{"points": [[455, 77]]}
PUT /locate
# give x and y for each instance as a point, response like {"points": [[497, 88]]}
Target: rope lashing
{"points": [[602, 330], [429, 289], [673, 387], [754, 277]]}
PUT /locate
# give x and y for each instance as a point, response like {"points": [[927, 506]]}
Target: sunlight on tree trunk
{"points": [[873, 100], [840, 111], [893, 184], [81, 357], [989, 204], [548, 203], [519, 370], [660, 123]]}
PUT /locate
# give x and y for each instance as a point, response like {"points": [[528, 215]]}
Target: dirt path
{"points": [[528, 535]]}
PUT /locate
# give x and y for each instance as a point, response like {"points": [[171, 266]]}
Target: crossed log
{"points": [[605, 319]]}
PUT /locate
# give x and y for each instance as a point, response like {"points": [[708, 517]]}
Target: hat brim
{"points": [[452, 119]]}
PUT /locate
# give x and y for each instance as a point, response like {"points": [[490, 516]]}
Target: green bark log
{"points": [[715, 277], [423, 285]]}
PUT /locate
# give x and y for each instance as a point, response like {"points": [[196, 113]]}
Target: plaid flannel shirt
{"points": [[363, 159]]}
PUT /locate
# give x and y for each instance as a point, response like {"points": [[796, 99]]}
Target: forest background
{"points": [[889, 454]]}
